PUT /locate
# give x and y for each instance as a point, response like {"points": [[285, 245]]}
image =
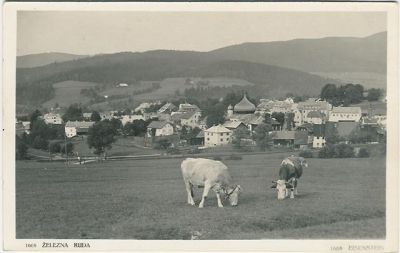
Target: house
{"points": [[23, 127], [304, 108], [159, 128], [52, 118], [130, 118], [87, 115], [318, 139], [167, 108], [345, 114], [106, 115], [295, 139], [217, 136], [307, 127], [74, 128], [188, 108], [198, 139], [26, 126], [316, 117], [190, 119], [234, 125]]}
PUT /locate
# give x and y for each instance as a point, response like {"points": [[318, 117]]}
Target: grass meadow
{"points": [[146, 199]]}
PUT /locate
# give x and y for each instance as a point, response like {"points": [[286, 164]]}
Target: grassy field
{"points": [[146, 199], [170, 85], [69, 92]]}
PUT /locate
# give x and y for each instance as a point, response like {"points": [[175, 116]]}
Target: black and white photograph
{"points": [[184, 122]]}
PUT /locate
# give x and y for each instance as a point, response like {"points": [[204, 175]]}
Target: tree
{"points": [[374, 94], [329, 92], [34, 116], [101, 136], [40, 143], [332, 135], [162, 143], [54, 147], [261, 136], [289, 121], [95, 116], [279, 116], [73, 113], [238, 135], [116, 125], [39, 129], [69, 146]]}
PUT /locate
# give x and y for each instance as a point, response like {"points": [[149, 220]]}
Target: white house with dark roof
{"points": [[52, 118], [159, 128], [73, 128], [217, 136], [341, 114]]}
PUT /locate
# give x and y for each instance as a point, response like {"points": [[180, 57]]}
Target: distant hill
{"points": [[276, 68], [37, 60], [333, 54], [158, 65]]}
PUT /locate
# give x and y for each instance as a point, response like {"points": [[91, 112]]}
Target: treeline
{"points": [[34, 93], [348, 94]]}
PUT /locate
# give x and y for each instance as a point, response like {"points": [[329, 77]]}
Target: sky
{"points": [[90, 33]]}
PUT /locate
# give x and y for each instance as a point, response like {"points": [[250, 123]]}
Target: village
{"points": [[245, 126]]}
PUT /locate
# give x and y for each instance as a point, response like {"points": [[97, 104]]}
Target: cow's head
{"points": [[280, 186], [283, 187], [232, 193]]}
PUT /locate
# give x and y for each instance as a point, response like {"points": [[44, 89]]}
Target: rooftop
{"points": [[79, 124], [218, 129], [355, 110], [157, 124], [244, 106]]}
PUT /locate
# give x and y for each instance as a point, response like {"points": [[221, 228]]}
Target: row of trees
{"points": [[348, 94]]}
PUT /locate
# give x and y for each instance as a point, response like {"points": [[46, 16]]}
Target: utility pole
{"points": [[66, 149]]}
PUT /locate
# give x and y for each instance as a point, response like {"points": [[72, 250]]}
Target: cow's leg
{"points": [[207, 188], [189, 190], [286, 193], [219, 200], [295, 188]]}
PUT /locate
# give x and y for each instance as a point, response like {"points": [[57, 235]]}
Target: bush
{"points": [[55, 147], [162, 144], [70, 148], [40, 143], [234, 157], [341, 150], [306, 154], [173, 151], [363, 152]]}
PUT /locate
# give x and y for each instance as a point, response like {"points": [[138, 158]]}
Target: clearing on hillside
{"points": [[69, 92]]}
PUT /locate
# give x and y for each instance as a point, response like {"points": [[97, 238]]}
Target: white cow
{"points": [[212, 175]]}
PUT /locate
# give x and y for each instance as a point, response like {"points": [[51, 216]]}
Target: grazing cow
{"points": [[290, 171], [212, 175]]}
